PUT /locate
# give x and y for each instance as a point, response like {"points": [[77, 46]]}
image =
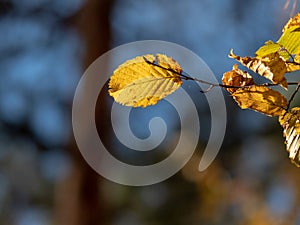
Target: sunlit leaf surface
{"points": [[271, 67], [138, 82], [291, 131], [236, 77], [261, 99]]}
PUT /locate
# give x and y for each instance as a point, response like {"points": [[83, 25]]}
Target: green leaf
{"points": [[269, 48], [290, 40], [295, 21]]}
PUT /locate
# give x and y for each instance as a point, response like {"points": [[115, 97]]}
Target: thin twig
{"points": [[182, 74], [207, 90], [186, 76], [293, 96]]}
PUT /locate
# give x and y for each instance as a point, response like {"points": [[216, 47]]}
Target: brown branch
{"points": [[186, 76], [293, 95]]}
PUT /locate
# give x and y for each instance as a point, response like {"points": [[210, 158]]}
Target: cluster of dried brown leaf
{"points": [[272, 61]]}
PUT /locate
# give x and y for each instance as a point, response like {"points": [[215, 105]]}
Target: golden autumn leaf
{"points": [[236, 77], [290, 38], [261, 99], [293, 66], [137, 82], [290, 122], [295, 21], [287, 47], [271, 67], [269, 48]]}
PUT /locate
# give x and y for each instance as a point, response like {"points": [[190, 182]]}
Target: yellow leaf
{"points": [[290, 39], [271, 47], [138, 82], [261, 99], [271, 67], [295, 21], [290, 122], [293, 66], [236, 77]]}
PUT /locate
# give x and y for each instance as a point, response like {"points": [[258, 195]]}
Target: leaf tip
{"points": [[231, 54]]}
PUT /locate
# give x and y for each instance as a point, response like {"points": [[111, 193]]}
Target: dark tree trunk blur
{"points": [[78, 199]]}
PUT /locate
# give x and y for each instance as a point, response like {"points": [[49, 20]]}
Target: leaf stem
{"points": [[293, 95], [186, 76]]}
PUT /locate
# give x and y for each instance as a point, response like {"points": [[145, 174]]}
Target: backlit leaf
{"points": [[269, 48], [236, 77], [287, 46], [295, 21], [295, 65], [290, 122], [137, 82], [290, 38], [271, 67], [261, 99]]}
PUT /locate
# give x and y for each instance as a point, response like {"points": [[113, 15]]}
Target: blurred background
{"points": [[45, 47]]}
